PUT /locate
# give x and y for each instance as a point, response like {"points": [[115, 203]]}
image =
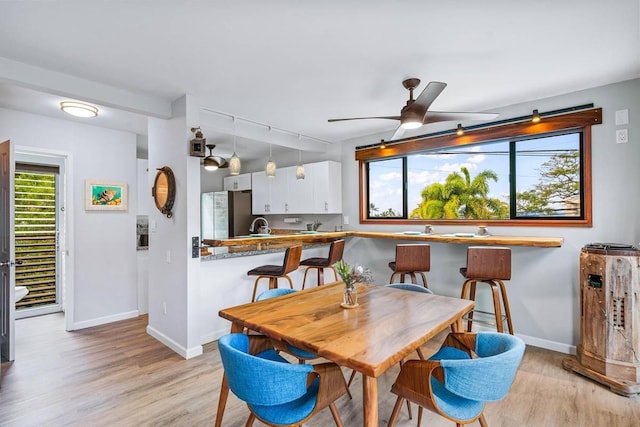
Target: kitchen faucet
{"points": [[253, 224]]}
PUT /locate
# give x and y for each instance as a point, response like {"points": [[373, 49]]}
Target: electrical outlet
{"points": [[622, 136]]}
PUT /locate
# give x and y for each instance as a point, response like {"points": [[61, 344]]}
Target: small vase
{"points": [[350, 297]]}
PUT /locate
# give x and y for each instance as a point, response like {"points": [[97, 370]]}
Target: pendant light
{"points": [[299, 168], [234, 161], [270, 169]]}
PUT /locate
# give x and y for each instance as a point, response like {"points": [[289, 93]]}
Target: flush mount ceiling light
{"points": [[78, 109], [213, 163]]}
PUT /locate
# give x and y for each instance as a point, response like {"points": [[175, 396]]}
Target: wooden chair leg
{"points": [[505, 302], [496, 306], [255, 288], [336, 415], [394, 414], [483, 420], [472, 297], [424, 279], [250, 421], [353, 375], [419, 415], [289, 279], [304, 278], [335, 273], [412, 274], [320, 276]]}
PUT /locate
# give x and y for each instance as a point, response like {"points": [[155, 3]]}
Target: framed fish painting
{"points": [[105, 195]]}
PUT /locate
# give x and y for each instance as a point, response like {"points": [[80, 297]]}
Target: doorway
{"points": [[37, 269]]}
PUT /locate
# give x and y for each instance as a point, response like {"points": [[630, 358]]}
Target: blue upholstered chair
{"points": [[469, 370], [410, 287], [297, 352], [279, 393]]}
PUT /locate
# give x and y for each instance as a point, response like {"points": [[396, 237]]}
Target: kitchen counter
{"points": [[283, 240]]}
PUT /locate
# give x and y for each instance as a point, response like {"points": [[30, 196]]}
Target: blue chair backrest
{"points": [[260, 381], [272, 293], [410, 287], [489, 377]]}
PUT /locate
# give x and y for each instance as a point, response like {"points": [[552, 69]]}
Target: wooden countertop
{"points": [[460, 238]]}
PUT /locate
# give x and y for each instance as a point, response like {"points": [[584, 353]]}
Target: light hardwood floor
{"points": [[117, 375]]}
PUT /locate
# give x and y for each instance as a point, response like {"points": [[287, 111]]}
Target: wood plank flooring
{"points": [[117, 375]]}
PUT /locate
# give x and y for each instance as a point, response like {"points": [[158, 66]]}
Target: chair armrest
{"points": [[414, 381], [465, 341], [332, 383]]}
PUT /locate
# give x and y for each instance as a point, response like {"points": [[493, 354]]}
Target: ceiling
{"points": [[292, 65]]}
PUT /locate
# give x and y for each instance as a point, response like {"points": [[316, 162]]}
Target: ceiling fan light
{"points": [[78, 109], [210, 164], [234, 164]]}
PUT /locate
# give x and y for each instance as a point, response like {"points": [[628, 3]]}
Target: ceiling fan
{"points": [[416, 113], [212, 163]]}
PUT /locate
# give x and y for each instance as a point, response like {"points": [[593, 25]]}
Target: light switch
{"points": [[622, 117], [345, 220]]}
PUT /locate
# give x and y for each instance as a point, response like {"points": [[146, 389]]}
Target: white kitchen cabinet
{"points": [[326, 179], [320, 192], [240, 182]]}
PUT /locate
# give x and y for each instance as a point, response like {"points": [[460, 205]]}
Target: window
{"points": [[532, 178]]}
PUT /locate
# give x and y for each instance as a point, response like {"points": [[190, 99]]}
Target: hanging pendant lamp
{"points": [[234, 161], [270, 168]]}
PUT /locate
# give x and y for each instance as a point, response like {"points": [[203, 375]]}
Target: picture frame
{"points": [[103, 195]]}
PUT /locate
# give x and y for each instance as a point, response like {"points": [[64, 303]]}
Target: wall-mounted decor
{"points": [[164, 190], [105, 195]]}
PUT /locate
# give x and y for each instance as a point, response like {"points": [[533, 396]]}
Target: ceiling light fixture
{"points": [[213, 163], [78, 109], [411, 120], [234, 161], [535, 118], [270, 168], [300, 167], [460, 130], [382, 144]]}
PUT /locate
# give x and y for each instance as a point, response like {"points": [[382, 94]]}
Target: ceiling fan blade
{"points": [[429, 94], [397, 134], [364, 118], [442, 116]]}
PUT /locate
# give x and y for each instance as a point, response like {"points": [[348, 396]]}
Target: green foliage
{"points": [[461, 197], [558, 189]]}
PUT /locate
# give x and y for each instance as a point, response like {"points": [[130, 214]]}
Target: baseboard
{"points": [[549, 345], [187, 353], [103, 320], [213, 336]]}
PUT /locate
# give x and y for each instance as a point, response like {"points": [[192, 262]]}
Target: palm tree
{"points": [[461, 197]]}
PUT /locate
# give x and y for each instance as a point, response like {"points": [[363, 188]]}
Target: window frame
{"points": [[575, 120]]}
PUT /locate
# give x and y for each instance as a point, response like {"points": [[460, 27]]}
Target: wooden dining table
{"points": [[387, 325]]}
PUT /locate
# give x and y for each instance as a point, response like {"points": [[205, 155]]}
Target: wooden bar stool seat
{"points": [[411, 259], [319, 264], [490, 265], [274, 272]]}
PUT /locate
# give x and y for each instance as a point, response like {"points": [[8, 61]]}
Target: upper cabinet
{"points": [[320, 192], [240, 182]]}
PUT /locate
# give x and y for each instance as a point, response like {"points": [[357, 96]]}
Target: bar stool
{"points": [[490, 265], [411, 259], [335, 254], [274, 272]]}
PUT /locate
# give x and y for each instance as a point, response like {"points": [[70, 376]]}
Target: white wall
{"points": [[101, 245], [544, 289]]}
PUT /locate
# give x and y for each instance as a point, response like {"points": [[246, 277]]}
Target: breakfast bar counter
{"points": [[325, 237]]}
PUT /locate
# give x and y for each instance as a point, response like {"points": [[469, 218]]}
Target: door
{"points": [[7, 253]]}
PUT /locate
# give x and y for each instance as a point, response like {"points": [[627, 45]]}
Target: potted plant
{"points": [[350, 276]]}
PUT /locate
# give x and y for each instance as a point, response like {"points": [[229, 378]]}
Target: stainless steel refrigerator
{"points": [[225, 214]]}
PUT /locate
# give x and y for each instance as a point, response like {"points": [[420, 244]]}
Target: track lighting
{"points": [[382, 144], [460, 130], [535, 118]]}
